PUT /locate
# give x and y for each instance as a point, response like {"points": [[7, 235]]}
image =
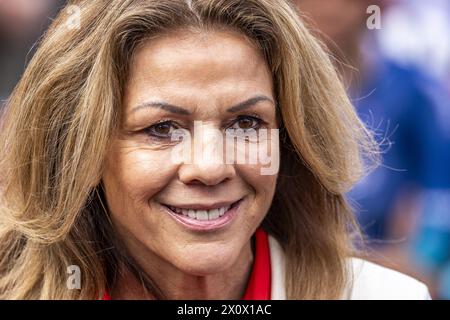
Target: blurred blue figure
{"points": [[410, 113], [406, 110], [432, 244], [445, 282], [417, 31], [406, 199]]}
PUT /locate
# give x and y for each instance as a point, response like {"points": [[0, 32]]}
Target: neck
{"points": [[179, 285]]}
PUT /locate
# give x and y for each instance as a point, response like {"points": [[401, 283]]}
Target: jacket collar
{"points": [[277, 264]]}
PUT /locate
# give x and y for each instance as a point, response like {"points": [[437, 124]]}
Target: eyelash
{"points": [[154, 135], [157, 136]]}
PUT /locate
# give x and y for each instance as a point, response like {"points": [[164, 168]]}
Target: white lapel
{"points": [[366, 280], [277, 266]]}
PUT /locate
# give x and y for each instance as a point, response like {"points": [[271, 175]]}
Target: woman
{"points": [[93, 175]]}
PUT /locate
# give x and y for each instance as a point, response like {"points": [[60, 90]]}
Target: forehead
{"points": [[197, 65]]}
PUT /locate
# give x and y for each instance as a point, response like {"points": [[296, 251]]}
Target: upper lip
{"points": [[203, 206]]}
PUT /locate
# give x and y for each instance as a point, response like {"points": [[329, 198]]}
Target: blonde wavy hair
{"points": [[57, 124]]}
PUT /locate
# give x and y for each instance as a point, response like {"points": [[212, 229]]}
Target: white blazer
{"points": [[370, 281]]}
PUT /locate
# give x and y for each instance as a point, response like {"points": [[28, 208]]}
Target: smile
{"points": [[202, 214], [202, 218]]}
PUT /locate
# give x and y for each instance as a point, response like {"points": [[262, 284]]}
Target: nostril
{"points": [[192, 174], [197, 182]]}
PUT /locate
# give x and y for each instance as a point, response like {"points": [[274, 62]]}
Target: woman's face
{"points": [[196, 215]]}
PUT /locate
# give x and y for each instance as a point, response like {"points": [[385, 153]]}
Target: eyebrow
{"points": [[182, 111], [248, 103], [162, 105]]}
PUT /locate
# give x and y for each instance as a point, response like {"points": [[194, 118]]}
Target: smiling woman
{"points": [[90, 179]]}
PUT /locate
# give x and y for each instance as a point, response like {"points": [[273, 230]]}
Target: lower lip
{"points": [[206, 225]]}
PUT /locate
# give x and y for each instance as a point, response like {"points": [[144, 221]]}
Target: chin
{"points": [[208, 260]]}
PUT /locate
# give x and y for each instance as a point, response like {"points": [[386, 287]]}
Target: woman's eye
{"points": [[246, 123], [161, 130]]}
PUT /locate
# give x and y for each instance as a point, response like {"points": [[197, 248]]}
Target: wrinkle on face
{"points": [[206, 73]]}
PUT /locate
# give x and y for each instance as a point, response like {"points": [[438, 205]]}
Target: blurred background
{"points": [[394, 58]]}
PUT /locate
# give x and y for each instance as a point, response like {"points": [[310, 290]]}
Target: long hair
{"points": [[60, 118]]}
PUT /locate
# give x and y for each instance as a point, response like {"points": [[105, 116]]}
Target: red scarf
{"points": [[258, 286]]}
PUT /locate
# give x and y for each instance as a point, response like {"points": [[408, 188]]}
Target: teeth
{"points": [[202, 215], [213, 214], [175, 209], [191, 213]]}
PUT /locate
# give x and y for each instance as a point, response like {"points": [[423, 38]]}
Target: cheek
{"points": [[262, 176], [262, 185], [133, 176]]}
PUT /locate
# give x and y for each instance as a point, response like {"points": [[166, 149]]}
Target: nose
{"points": [[205, 173], [207, 165]]}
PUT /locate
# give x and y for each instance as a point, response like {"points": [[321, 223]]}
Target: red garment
{"points": [[258, 286]]}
